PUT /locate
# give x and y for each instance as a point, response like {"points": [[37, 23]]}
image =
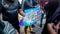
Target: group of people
{"points": [[9, 10], [51, 8]]}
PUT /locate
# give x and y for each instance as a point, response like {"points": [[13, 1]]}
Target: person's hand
{"points": [[37, 17], [21, 12], [57, 27], [17, 32], [51, 29]]}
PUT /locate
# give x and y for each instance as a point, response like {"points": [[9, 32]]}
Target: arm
{"points": [[50, 28], [21, 12]]}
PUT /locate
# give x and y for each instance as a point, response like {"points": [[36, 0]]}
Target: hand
{"points": [[57, 27], [17, 32], [37, 17], [50, 28]]}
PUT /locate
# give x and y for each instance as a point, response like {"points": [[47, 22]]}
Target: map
{"points": [[30, 16]]}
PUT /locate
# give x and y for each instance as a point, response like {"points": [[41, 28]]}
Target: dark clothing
{"points": [[0, 8], [55, 19], [42, 16], [51, 8], [2, 25], [59, 31], [34, 2], [10, 12], [56, 16], [59, 2], [28, 4]]}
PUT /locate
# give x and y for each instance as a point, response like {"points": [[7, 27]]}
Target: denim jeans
{"points": [[42, 16]]}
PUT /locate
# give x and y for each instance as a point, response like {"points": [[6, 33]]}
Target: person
{"points": [[27, 5], [41, 11], [1, 24], [51, 8], [10, 10], [5, 26], [56, 19]]}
